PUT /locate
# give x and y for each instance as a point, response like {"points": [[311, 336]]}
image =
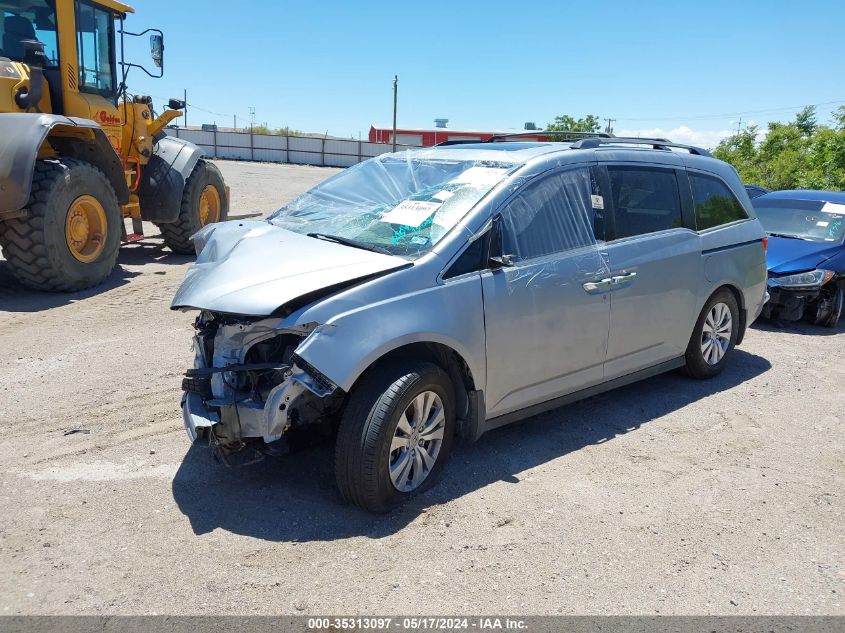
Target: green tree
{"points": [[263, 128], [740, 150], [801, 154], [589, 123], [839, 117], [783, 155], [805, 121]]}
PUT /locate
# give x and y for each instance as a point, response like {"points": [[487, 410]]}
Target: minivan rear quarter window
{"points": [[714, 203], [645, 200]]}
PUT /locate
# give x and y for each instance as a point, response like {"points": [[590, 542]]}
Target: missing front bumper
{"points": [[196, 416], [238, 419], [788, 305]]}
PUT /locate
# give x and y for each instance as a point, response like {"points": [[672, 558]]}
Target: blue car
{"points": [[806, 256]]}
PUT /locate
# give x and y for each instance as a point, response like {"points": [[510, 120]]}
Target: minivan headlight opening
{"points": [[811, 280]]}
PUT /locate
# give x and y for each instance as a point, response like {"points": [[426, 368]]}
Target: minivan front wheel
{"points": [[714, 337], [395, 433]]}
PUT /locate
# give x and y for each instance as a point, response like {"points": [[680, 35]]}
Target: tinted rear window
{"points": [[645, 200], [715, 204]]}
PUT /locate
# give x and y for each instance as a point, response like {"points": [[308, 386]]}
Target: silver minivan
{"points": [[448, 291]]}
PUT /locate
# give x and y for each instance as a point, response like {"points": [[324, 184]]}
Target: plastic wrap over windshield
{"points": [[401, 203]]}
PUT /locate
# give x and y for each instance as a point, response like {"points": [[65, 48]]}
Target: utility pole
{"points": [[739, 125], [185, 99], [236, 121], [395, 94], [251, 138], [609, 128]]}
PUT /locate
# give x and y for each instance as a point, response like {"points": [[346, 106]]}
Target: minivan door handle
{"points": [[598, 287], [624, 279]]}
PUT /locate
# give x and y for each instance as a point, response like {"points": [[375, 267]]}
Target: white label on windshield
{"points": [[821, 223], [442, 195], [598, 202], [410, 212], [480, 176], [832, 207]]}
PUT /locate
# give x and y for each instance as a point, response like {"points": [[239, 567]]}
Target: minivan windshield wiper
{"points": [[350, 242]]}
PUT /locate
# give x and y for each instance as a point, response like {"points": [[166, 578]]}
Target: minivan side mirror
{"points": [[501, 261], [157, 49], [498, 259]]}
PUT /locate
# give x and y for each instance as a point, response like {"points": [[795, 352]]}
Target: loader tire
{"points": [[70, 237], [204, 201]]}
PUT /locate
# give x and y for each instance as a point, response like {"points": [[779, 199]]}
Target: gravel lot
{"points": [[670, 496]]}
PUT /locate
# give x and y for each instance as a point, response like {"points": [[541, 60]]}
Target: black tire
{"points": [[362, 452], [696, 365], [177, 235], [836, 308], [35, 246]]}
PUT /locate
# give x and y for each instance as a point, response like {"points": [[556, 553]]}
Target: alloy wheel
{"points": [[416, 442], [716, 333]]}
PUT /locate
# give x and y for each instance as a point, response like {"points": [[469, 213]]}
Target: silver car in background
{"points": [[452, 290]]}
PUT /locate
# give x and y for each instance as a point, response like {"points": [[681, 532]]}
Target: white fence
{"points": [[304, 150]]}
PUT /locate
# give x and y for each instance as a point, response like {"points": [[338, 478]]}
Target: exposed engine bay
{"points": [[249, 389]]}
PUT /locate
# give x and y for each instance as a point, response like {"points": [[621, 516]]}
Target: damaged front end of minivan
{"points": [[248, 388], [249, 393]]}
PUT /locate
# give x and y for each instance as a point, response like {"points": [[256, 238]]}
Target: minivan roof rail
{"points": [[462, 141], [656, 143], [535, 133]]}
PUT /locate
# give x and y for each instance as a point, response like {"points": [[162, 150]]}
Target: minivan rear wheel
{"points": [[395, 434], [714, 336]]}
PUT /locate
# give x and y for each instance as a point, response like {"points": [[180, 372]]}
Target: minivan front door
{"points": [[547, 315]]}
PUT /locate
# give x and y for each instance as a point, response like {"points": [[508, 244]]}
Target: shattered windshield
{"points": [[400, 203]]}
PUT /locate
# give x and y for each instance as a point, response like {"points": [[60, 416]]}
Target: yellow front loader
{"points": [[78, 155]]}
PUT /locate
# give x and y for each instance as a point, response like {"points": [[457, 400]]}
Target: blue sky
{"points": [[687, 69]]}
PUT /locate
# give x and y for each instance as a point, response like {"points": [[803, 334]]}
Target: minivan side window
{"points": [[471, 260], [548, 216], [645, 200], [715, 204]]}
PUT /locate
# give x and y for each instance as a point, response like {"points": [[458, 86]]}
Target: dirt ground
{"points": [[669, 496]]}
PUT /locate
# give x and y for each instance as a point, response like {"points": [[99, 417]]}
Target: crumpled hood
{"points": [[786, 255], [253, 268]]}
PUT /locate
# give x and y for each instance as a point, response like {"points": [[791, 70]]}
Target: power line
{"points": [[730, 114], [698, 117]]}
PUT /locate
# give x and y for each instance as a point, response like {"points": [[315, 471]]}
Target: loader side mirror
{"points": [[157, 49]]}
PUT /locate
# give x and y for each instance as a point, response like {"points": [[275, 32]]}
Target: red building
{"points": [[426, 137]]}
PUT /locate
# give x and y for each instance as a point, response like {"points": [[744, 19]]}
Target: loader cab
{"points": [[95, 48], [79, 62], [21, 22], [89, 61], [28, 21]]}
